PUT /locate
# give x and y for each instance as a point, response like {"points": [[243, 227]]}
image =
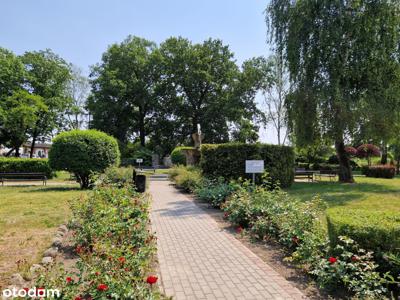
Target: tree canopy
{"points": [[343, 59], [32, 96], [162, 92]]}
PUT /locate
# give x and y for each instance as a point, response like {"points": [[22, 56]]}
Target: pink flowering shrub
{"points": [[367, 151]]}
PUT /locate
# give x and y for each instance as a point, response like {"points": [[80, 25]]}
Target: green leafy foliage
{"points": [[117, 176], [47, 75], [348, 265], [114, 245], [133, 151], [297, 225], [178, 156], [22, 111], [215, 192], [22, 165], [343, 60], [373, 230], [125, 89], [84, 153], [228, 161], [273, 213], [188, 178]]}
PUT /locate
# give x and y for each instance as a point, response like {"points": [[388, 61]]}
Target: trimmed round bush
{"points": [[84, 153], [178, 156], [372, 230]]}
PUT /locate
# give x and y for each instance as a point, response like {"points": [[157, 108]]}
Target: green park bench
{"points": [[5, 177]]}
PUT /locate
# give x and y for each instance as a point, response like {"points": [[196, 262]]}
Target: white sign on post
{"points": [[254, 166], [139, 160]]}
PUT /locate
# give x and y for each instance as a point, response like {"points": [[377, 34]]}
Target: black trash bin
{"points": [[140, 183]]}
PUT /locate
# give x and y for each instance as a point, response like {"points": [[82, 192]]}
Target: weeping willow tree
{"points": [[343, 59]]}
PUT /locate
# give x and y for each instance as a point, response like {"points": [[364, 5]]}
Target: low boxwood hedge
{"points": [[228, 161], [25, 165], [373, 230]]}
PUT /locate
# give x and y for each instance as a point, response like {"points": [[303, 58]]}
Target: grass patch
{"points": [[29, 216], [375, 194]]}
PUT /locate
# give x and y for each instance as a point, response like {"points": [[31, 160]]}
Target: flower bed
{"points": [[114, 245]]}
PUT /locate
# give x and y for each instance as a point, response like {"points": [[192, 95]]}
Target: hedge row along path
{"points": [[198, 260]]}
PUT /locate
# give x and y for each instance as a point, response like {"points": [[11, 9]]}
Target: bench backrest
{"points": [[328, 172], [22, 175]]}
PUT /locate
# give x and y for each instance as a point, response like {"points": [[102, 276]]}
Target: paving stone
{"points": [[17, 280], [52, 252], [47, 260], [199, 259]]}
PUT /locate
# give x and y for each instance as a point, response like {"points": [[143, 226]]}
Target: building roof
{"points": [[37, 145]]}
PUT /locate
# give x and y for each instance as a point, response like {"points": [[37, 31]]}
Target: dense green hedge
{"points": [[178, 157], [25, 165], [379, 171], [373, 230], [228, 160]]}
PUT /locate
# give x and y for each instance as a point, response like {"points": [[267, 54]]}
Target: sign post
{"points": [[254, 167], [139, 161]]}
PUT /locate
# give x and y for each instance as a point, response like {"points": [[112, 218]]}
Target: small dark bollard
{"points": [[140, 183]]}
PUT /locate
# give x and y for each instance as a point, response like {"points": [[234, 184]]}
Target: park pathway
{"points": [[199, 260]]}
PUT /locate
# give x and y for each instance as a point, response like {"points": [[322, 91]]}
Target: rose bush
{"points": [[114, 245], [216, 191]]}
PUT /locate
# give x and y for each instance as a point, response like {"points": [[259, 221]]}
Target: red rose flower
{"points": [[354, 258], [78, 249], [151, 279], [78, 298], [121, 259], [332, 260], [97, 273], [69, 279], [239, 229], [102, 287]]}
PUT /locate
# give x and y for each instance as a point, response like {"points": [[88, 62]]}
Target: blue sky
{"points": [[80, 30]]}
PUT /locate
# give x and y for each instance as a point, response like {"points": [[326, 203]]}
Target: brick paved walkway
{"points": [[199, 260]]}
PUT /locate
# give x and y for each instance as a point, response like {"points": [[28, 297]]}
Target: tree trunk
{"points": [[398, 166], [384, 154], [142, 133], [34, 137], [9, 152], [17, 154], [279, 135], [83, 180], [345, 172]]}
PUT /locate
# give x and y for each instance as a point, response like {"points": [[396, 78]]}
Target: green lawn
{"points": [[29, 217], [368, 193]]}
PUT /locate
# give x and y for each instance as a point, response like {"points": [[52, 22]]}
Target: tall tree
{"points": [[124, 89], [47, 76], [207, 87], [342, 57], [12, 74], [78, 90], [274, 99], [22, 110]]}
